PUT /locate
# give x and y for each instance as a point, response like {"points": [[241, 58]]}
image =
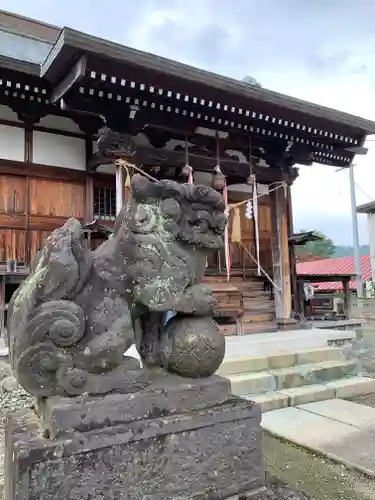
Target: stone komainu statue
{"points": [[77, 313]]}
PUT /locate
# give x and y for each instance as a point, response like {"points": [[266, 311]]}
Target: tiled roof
{"points": [[341, 265], [23, 48]]}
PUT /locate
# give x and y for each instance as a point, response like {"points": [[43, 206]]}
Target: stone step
{"points": [[287, 378], [264, 343], [249, 364], [345, 389]]}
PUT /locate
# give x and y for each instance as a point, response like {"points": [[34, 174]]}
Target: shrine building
{"points": [[61, 90]]}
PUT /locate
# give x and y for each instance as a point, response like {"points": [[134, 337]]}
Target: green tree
{"points": [[324, 247]]}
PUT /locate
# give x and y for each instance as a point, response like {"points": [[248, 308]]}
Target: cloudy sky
{"points": [[320, 50]]}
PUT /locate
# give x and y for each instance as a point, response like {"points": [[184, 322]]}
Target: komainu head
{"points": [[191, 214]]}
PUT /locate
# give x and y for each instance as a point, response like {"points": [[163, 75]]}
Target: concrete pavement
{"points": [[341, 430]]}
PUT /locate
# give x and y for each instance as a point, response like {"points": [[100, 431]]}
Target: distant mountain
{"points": [[347, 251]]}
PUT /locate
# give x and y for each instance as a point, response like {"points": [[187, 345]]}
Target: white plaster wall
{"points": [[59, 150], [12, 143], [371, 234], [6, 113], [108, 169], [59, 123]]}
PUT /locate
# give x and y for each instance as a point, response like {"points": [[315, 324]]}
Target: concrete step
{"points": [[287, 378], [263, 344], [345, 389], [249, 364]]}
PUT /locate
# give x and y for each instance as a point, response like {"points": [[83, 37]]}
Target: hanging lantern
{"points": [[249, 180], [218, 181]]}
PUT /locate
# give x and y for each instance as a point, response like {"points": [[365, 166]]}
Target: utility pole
{"points": [[353, 206], [357, 258]]}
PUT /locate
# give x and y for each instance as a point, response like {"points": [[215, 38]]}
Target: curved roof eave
{"points": [[80, 43]]}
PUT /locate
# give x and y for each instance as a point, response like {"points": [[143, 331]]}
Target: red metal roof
{"points": [[340, 265]]}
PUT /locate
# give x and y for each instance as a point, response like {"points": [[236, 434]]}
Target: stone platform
{"points": [[179, 438]]}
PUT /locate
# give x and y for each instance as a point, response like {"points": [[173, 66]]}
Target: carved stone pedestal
{"points": [[177, 439]]}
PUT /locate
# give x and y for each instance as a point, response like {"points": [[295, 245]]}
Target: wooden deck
{"points": [[244, 306]]}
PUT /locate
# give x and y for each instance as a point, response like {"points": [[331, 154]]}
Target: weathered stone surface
{"points": [[103, 426], [9, 384], [5, 370], [164, 451], [78, 311], [166, 395]]}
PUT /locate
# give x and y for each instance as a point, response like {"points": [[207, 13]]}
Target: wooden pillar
{"points": [[345, 286], [2, 306], [301, 297], [27, 224], [280, 256], [89, 187], [120, 188], [89, 198], [295, 289]]}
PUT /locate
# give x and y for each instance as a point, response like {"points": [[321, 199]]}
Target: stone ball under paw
{"points": [[192, 347]]}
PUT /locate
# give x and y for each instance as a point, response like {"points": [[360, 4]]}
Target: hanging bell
{"points": [[186, 170], [218, 181]]}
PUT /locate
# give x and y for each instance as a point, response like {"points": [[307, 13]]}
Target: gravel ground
{"points": [[365, 351], [10, 401], [318, 477], [367, 338], [277, 490]]}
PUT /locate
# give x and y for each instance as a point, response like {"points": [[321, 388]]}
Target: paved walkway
{"points": [[341, 430], [260, 344], [287, 340], [265, 343]]}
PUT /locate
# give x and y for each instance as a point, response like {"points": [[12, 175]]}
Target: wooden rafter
{"points": [[116, 146], [74, 76]]}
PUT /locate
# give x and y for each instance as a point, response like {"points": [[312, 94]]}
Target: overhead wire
{"points": [[371, 198]]}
